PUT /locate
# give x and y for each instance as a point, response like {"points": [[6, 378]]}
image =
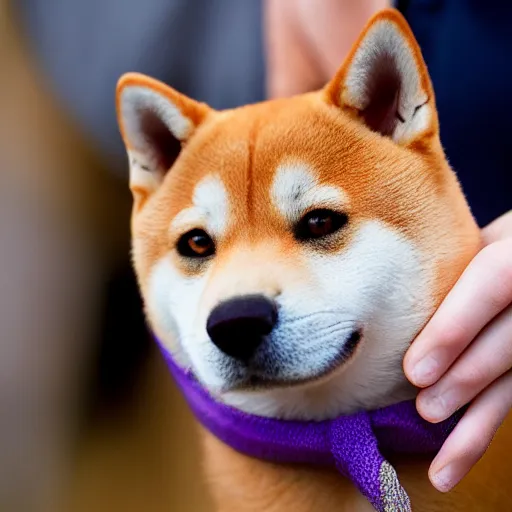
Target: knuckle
{"points": [[499, 257], [507, 273], [472, 375], [503, 354], [476, 449], [449, 333], [482, 440], [497, 260]]}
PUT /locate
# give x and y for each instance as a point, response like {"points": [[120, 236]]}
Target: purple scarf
{"points": [[352, 444]]}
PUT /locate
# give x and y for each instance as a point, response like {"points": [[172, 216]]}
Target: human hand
{"points": [[307, 41], [465, 354]]}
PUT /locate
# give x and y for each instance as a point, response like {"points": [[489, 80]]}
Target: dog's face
{"points": [[290, 251]]}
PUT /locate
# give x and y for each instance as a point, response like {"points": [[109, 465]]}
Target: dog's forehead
{"points": [[273, 160], [261, 156], [294, 189]]}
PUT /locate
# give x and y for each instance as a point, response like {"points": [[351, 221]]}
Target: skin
{"points": [[306, 41], [464, 354]]}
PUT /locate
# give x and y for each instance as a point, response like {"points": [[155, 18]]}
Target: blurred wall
{"points": [[62, 227]]}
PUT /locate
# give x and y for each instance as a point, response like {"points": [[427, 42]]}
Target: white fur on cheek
{"points": [[171, 304], [296, 189], [383, 284], [172, 299]]}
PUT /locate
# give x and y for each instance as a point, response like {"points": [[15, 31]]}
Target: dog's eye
{"points": [[196, 244], [320, 223]]}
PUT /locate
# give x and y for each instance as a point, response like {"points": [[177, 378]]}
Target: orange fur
{"points": [[409, 187]]}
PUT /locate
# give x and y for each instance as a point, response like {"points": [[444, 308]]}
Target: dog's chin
{"points": [[250, 378]]}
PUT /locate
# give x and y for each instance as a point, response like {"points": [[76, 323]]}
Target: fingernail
{"points": [[439, 406], [425, 371], [436, 407], [445, 478]]}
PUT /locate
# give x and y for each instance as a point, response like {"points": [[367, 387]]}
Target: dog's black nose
{"points": [[239, 326]]}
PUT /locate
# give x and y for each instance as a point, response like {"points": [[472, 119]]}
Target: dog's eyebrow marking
{"points": [[210, 208], [296, 189]]}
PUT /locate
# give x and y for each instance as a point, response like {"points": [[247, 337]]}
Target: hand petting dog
{"points": [[464, 354]]}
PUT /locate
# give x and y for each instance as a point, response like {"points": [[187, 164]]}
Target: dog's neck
{"points": [[246, 484], [352, 444]]}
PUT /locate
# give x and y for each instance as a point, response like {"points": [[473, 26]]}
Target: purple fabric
{"points": [[353, 444]]}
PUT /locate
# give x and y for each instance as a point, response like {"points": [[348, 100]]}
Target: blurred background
{"points": [[89, 417]]}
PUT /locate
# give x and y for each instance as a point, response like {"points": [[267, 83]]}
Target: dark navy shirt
{"points": [[467, 45]]}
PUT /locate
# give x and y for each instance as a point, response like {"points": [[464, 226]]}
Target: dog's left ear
{"points": [[384, 82]]}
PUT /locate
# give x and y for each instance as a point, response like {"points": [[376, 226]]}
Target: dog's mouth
{"points": [[257, 379]]}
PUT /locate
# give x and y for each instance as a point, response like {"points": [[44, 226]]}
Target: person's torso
{"points": [[468, 46]]}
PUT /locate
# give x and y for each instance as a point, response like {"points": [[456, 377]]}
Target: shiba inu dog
{"points": [[289, 252]]}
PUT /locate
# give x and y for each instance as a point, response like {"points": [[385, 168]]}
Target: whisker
{"points": [[315, 314]]}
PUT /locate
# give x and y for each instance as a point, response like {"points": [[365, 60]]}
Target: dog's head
{"points": [[290, 251]]}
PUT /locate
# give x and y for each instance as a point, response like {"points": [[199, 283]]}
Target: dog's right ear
{"points": [[154, 120]]}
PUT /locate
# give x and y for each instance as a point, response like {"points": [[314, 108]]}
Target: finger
{"points": [[500, 229], [482, 292], [488, 357], [472, 436]]}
